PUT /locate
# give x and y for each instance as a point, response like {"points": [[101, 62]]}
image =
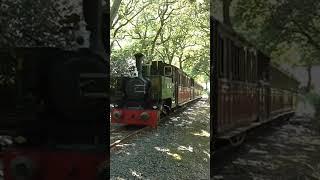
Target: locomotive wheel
{"points": [[65, 88], [167, 109], [237, 140]]}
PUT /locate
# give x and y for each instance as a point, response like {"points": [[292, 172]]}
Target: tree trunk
{"points": [[114, 10], [308, 88]]}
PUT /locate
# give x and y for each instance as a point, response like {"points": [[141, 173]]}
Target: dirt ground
{"points": [[178, 149], [289, 150]]}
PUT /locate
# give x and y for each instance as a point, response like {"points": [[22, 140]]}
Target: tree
{"points": [[39, 23], [114, 10], [271, 24], [176, 32]]}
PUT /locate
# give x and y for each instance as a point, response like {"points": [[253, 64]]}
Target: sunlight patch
{"points": [[162, 149], [167, 151], [175, 156], [203, 133], [125, 145], [208, 154], [184, 148], [136, 174], [175, 119], [119, 178]]}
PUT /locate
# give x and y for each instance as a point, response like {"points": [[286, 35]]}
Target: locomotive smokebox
{"points": [[139, 59]]}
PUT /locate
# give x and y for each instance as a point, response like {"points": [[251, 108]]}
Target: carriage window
{"points": [[238, 62], [228, 59], [168, 71], [221, 55], [245, 65], [232, 61], [250, 67], [242, 65]]}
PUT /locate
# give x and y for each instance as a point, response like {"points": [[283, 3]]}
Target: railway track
{"points": [[124, 133], [126, 136]]}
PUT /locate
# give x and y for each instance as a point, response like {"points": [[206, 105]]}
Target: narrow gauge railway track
{"points": [[126, 136], [124, 133]]}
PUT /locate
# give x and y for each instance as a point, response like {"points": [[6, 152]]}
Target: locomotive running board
{"points": [[241, 130]]}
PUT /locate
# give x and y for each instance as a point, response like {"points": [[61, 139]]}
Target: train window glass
{"points": [[168, 71], [255, 68], [250, 67], [246, 66], [243, 64], [238, 63], [226, 60], [233, 61], [222, 60], [237, 58], [220, 55]]}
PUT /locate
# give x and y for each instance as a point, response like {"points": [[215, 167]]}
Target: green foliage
{"points": [[120, 62], [278, 27], [176, 32], [38, 23]]}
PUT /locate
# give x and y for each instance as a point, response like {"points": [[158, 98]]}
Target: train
{"points": [[53, 107], [158, 89], [248, 89]]}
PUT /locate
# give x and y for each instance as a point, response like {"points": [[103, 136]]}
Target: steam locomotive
{"points": [[158, 89], [53, 105]]}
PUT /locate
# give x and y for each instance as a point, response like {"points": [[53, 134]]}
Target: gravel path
{"points": [[285, 151], [178, 149]]}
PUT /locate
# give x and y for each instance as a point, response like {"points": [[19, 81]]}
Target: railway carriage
{"points": [[248, 89], [157, 90]]}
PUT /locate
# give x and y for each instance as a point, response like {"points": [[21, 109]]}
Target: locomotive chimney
{"points": [[139, 59]]}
